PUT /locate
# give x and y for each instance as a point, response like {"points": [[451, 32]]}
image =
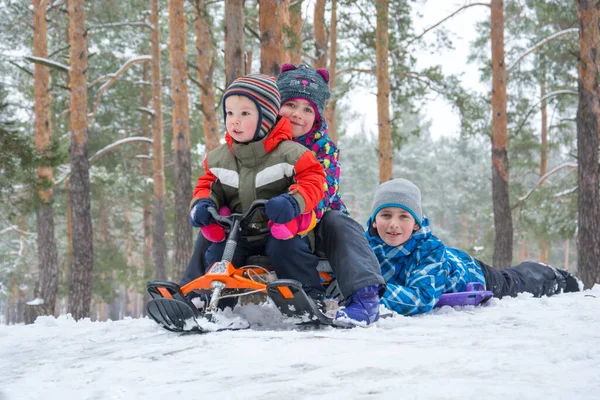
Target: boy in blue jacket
{"points": [[418, 268]]}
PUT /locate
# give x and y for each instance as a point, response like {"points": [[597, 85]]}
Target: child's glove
{"points": [[199, 216], [282, 209], [215, 232], [298, 226]]}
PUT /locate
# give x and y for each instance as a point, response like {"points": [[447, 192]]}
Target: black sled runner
{"points": [[170, 305]]}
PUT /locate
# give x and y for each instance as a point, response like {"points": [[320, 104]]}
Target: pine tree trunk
{"points": [[383, 92], [320, 35], [331, 109], [80, 286], [588, 172], [503, 241], [159, 244], [47, 253], [234, 40], [206, 58], [181, 138], [146, 172], [271, 15], [543, 243], [295, 36]]}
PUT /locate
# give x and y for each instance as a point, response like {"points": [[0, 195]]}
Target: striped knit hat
{"points": [[262, 90]]}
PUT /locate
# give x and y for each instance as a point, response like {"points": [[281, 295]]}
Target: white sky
{"points": [[461, 29], [514, 348]]}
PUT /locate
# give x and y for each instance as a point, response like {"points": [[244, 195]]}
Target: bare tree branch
{"points": [[114, 78], [510, 66], [103, 151], [542, 179], [551, 94], [444, 20], [142, 24]]}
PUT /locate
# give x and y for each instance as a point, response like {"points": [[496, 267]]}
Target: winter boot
{"points": [[360, 309], [572, 283]]}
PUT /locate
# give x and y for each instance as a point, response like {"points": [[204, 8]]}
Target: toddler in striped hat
{"points": [[260, 161]]}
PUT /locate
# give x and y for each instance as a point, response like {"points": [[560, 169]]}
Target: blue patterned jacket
{"points": [[419, 271]]}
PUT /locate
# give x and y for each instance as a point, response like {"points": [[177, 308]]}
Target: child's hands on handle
{"points": [[199, 216], [282, 209]]}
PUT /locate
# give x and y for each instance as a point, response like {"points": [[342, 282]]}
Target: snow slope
{"points": [[516, 348]]}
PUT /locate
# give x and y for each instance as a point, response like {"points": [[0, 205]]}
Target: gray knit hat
{"points": [[304, 82], [262, 90], [398, 193]]}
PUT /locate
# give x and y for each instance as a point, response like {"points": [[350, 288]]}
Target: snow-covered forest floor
{"points": [[515, 348]]}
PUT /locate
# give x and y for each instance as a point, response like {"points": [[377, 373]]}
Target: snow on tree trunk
{"points": [[503, 242], [206, 59], [159, 244], [383, 91], [47, 253], [294, 36], [271, 15], [330, 110], [234, 40], [320, 35], [181, 138], [588, 172], [80, 285]]}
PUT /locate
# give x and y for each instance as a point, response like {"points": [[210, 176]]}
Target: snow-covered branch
{"points": [[113, 79], [118, 144], [102, 151], [510, 66], [543, 178], [48, 63], [547, 96], [146, 110], [432, 27]]}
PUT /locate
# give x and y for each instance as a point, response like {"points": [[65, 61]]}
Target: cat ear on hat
{"points": [[324, 73], [287, 67]]}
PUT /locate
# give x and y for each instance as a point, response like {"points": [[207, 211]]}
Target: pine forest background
{"points": [[107, 109]]}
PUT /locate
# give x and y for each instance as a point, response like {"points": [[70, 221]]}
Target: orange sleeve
{"points": [[309, 188], [203, 187]]}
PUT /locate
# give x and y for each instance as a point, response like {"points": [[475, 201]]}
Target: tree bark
{"points": [[543, 243], [320, 34], [147, 172], [46, 241], [234, 40], [80, 287], [503, 241], [588, 171], [206, 58], [159, 244], [383, 92], [331, 109], [181, 138], [271, 15], [295, 34]]}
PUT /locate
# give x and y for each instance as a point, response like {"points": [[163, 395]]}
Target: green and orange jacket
{"points": [[236, 174]]}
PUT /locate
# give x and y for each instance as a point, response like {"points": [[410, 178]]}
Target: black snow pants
{"points": [[530, 277], [339, 238]]}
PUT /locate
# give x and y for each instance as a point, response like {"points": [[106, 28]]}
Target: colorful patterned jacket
{"points": [[239, 173], [328, 154], [419, 271]]}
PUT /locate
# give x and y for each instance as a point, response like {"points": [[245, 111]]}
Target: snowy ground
{"points": [[522, 348]]}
